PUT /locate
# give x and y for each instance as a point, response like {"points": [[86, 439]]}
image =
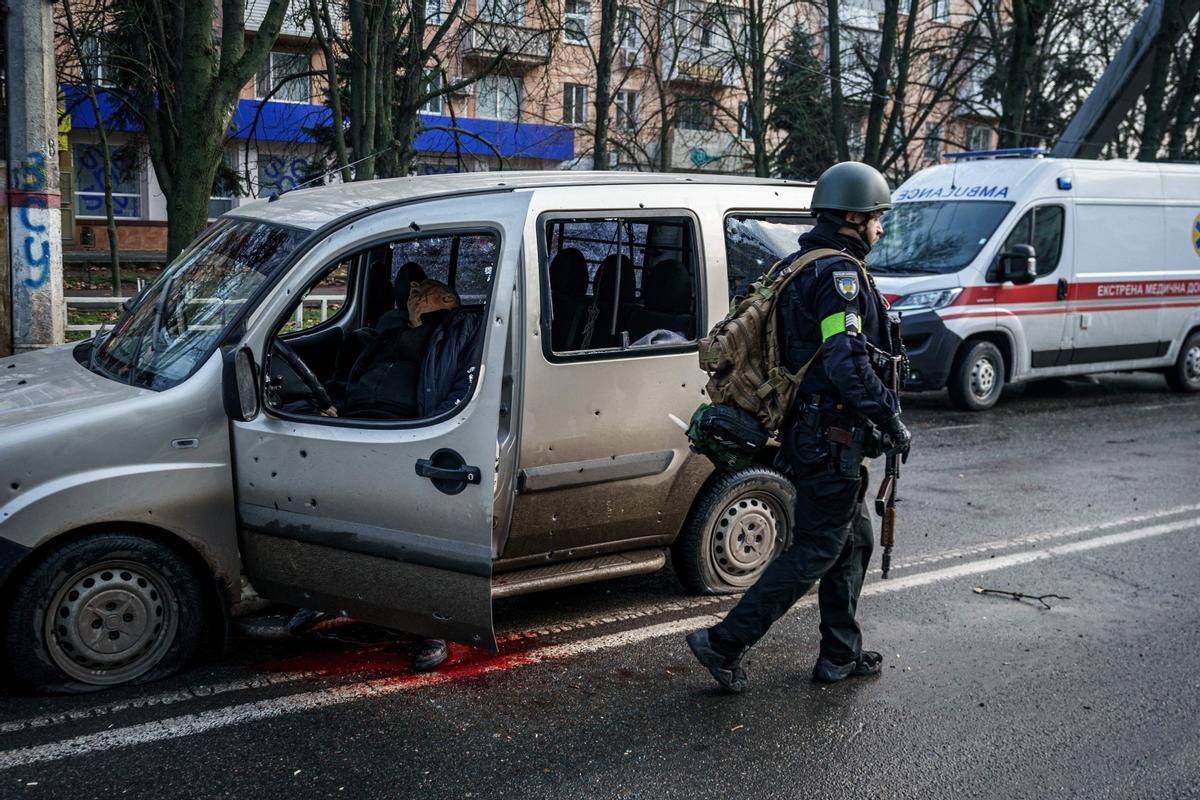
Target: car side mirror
{"points": [[239, 385], [1019, 265]]}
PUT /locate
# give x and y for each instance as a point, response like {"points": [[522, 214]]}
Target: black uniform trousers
{"points": [[831, 542]]}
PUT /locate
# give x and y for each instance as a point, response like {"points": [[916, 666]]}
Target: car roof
{"points": [[312, 208]]}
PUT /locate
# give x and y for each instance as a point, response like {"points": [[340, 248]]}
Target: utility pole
{"points": [[34, 219]]}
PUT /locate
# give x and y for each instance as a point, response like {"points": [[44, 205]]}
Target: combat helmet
{"points": [[851, 186]]}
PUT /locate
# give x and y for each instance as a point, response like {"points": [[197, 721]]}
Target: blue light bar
{"points": [[1010, 152]]}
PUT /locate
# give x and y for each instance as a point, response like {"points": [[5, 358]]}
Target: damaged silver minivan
{"points": [[209, 446]]}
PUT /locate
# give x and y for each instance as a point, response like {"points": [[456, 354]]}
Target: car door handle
{"points": [[448, 471], [1062, 289]]}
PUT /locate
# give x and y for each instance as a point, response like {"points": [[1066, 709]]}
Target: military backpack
{"points": [[749, 385]]}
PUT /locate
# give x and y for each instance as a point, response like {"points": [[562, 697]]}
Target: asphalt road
{"points": [[1085, 489]]}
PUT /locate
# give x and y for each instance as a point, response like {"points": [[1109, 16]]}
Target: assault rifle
{"points": [[885, 500]]}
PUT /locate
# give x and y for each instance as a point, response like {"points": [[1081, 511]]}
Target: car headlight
{"points": [[926, 301]]}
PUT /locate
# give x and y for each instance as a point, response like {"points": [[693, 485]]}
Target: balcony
{"points": [[516, 45], [702, 67]]}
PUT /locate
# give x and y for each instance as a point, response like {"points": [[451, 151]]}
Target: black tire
{"points": [[132, 591], [1184, 376], [978, 377], [757, 503]]}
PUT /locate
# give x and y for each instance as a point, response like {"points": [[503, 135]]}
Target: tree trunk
{"points": [[1184, 109], [1027, 15], [756, 40], [609, 9], [872, 141], [836, 106], [903, 68], [1155, 122]]}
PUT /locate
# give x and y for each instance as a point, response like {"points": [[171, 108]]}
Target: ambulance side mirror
{"points": [[1019, 265]]}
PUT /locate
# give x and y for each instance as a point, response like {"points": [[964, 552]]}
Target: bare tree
{"points": [[182, 68]]}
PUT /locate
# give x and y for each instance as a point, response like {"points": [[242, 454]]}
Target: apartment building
{"points": [[678, 86]]}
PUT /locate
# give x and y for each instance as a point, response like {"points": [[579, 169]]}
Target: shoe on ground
{"points": [[428, 654], [727, 670], [868, 663], [305, 620]]}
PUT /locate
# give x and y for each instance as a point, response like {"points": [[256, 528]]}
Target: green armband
{"points": [[833, 325]]}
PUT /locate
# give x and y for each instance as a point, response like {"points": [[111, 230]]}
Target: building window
{"points": [[577, 21], [498, 97], [628, 110], [932, 149], [575, 103], [979, 137], [95, 55], [941, 9], [433, 12], [745, 122], [280, 173], [433, 83], [694, 114], [937, 71], [629, 28], [506, 12], [89, 181], [225, 187], [288, 75], [855, 143]]}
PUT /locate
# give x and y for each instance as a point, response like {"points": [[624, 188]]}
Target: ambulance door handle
{"points": [[1062, 289]]}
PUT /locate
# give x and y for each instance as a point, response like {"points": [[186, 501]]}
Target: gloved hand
{"points": [[898, 434]]}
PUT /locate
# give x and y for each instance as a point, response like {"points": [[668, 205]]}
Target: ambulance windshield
{"points": [[934, 237]]}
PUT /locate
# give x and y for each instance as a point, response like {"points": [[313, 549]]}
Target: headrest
{"points": [[405, 277], [606, 275], [569, 273], [667, 287]]}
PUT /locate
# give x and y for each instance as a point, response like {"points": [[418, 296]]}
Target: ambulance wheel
{"points": [[1184, 376], [738, 524], [978, 377], [100, 611]]}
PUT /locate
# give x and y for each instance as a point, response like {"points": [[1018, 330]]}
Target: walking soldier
{"points": [[830, 311]]}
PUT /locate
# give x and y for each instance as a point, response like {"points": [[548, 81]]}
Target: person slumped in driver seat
{"points": [[383, 382]]}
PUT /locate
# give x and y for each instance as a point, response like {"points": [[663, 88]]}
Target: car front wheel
{"points": [[739, 523], [978, 377], [100, 611], [1184, 375]]}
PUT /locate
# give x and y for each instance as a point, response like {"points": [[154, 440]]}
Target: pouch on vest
{"points": [[726, 435]]}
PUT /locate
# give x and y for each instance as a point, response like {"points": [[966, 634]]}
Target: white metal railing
{"points": [[320, 301]]}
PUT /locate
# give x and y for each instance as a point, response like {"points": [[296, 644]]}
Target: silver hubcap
{"points": [[111, 622], [744, 539], [983, 378], [1191, 365]]}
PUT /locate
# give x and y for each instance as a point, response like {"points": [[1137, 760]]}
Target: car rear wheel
{"points": [[978, 377], [1184, 376], [100, 611], [739, 523]]}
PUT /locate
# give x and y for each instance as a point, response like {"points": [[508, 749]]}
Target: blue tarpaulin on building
{"points": [[276, 121]]}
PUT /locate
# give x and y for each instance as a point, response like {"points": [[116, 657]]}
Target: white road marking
{"points": [[191, 724], [608, 618]]}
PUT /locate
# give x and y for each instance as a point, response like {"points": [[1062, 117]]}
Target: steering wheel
{"points": [[316, 391]]}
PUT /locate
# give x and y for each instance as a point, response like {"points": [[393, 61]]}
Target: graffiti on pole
{"points": [[30, 202]]}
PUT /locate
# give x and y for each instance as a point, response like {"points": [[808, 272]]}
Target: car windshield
{"points": [[936, 236], [175, 323]]}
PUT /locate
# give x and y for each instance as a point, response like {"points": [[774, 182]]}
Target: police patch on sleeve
{"points": [[846, 284], [852, 324]]}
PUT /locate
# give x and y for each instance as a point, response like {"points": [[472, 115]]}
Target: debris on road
{"points": [[1019, 596]]}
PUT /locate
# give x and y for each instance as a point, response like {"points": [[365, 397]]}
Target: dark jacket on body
{"points": [[451, 364], [810, 315]]}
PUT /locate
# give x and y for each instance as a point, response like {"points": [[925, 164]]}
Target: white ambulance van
{"points": [[1009, 266]]}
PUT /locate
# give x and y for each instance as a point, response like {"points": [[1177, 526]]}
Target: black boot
{"points": [[727, 669], [428, 654], [868, 663]]}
